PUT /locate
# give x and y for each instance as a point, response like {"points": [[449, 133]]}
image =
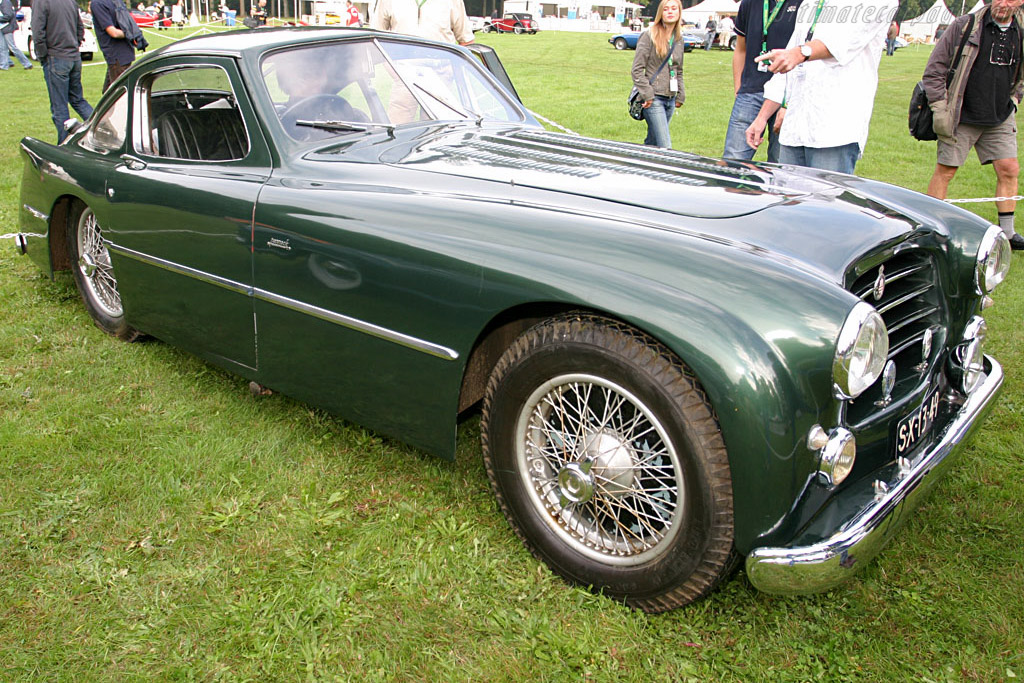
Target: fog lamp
{"points": [[968, 357], [837, 456]]}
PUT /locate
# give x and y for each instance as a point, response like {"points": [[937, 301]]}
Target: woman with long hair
{"points": [[658, 71]]}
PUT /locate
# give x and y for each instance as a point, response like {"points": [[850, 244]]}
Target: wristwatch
{"points": [[805, 50]]}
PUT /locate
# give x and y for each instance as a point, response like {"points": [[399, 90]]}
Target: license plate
{"points": [[914, 426]]}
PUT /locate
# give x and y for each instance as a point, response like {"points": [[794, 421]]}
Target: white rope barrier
{"points": [[553, 124], [1015, 198]]}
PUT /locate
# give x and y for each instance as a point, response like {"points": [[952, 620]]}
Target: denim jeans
{"points": [[64, 83], [9, 46], [744, 111], [657, 116], [842, 158]]}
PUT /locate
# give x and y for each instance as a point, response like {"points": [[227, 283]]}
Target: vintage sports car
{"points": [[679, 361], [512, 22], [628, 40]]}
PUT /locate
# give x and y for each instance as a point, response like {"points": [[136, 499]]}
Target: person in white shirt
{"points": [[725, 31], [443, 20], [827, 78]]}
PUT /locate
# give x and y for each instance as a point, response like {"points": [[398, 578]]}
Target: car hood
{"points": [[823, 221], [622, 173]]}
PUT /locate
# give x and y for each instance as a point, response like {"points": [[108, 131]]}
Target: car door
{"points": [[180, 204]]}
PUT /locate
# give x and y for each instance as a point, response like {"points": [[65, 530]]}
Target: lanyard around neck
{"points": [[817, 13], [767, 21]]}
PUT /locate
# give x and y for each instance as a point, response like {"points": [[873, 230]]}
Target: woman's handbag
{"points": [[636, 105]]}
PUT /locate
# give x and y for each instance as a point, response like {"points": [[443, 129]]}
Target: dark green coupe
{"points": [[680, 361]]}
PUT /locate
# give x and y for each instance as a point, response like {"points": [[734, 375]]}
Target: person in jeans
{"points": [[8, 25], [661, 44], [979, 108], [827, 76], [57, 31], [118, 53], [761, 25]]}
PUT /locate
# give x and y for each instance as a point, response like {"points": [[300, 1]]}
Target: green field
{"points": [[157, 522]]}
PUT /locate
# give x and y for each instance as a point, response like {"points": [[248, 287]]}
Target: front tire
{"points": [[620, 44], [607, 460], [94, 274]]}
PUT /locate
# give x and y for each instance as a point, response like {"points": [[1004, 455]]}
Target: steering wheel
{"points": [[322, 107]]}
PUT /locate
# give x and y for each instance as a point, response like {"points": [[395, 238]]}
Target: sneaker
{"points": [[1016, 242], [28, 67]]}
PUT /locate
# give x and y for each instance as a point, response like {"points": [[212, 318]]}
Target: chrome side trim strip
{"points": [[384, 333], [193, 273], [358, 325], [822, 565], [36, 212]]}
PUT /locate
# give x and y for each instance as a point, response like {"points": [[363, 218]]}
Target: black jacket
{"points": [[57, 29]]}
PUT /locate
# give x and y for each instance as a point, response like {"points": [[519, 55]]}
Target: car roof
{"points": [[239, 42]]}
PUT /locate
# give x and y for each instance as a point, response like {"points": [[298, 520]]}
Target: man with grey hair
{"points": [[979, 106]]}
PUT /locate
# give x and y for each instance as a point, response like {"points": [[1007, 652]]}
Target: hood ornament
{"points": [[879, 288]]}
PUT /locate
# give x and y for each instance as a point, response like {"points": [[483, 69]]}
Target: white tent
{"points": [[698, 14], [923, 28]]}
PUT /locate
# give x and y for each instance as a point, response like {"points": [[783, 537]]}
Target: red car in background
{"points": [[149, 18], [512, 22]]}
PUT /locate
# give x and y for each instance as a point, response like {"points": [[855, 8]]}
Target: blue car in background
{"points": [[627, 41]]}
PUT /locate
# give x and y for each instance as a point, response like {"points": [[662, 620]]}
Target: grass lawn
{"points": [[156, 522]]}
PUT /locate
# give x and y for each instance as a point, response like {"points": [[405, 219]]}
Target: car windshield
{"points": [[372, 84]]}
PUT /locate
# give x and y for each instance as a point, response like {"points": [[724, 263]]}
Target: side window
{"points": [[191, 113], [108, 133]]}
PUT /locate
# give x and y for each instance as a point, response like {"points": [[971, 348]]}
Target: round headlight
{"points": [[861, 351], [994, 257]]}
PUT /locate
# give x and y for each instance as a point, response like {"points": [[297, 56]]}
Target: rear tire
{"points": [[94, 274], [518, 30], [607, 460]]}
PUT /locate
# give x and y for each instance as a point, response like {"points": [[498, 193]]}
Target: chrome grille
{"points": [[904, 289]]}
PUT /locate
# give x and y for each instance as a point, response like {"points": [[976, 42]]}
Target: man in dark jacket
{"points": [[8, 25], [117, 51], [979, 107], [57, 31]]}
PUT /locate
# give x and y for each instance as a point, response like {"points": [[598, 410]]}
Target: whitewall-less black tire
{"points": [[607, 460]]}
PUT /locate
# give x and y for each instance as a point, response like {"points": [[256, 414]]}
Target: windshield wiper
{"points": [[345, 126], [461, 112]]}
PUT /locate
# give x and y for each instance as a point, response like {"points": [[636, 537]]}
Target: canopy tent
{"points": [[923, 28], [698, 14]]}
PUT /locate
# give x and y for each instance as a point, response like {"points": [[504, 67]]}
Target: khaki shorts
{"points": [[990, 142]]}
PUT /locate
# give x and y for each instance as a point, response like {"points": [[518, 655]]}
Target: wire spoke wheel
{"points": [[607, 460], [94, 264], [94, 273], [599, 465]]}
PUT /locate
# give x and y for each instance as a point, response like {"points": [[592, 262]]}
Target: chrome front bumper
{"points": [[822, 565]]}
